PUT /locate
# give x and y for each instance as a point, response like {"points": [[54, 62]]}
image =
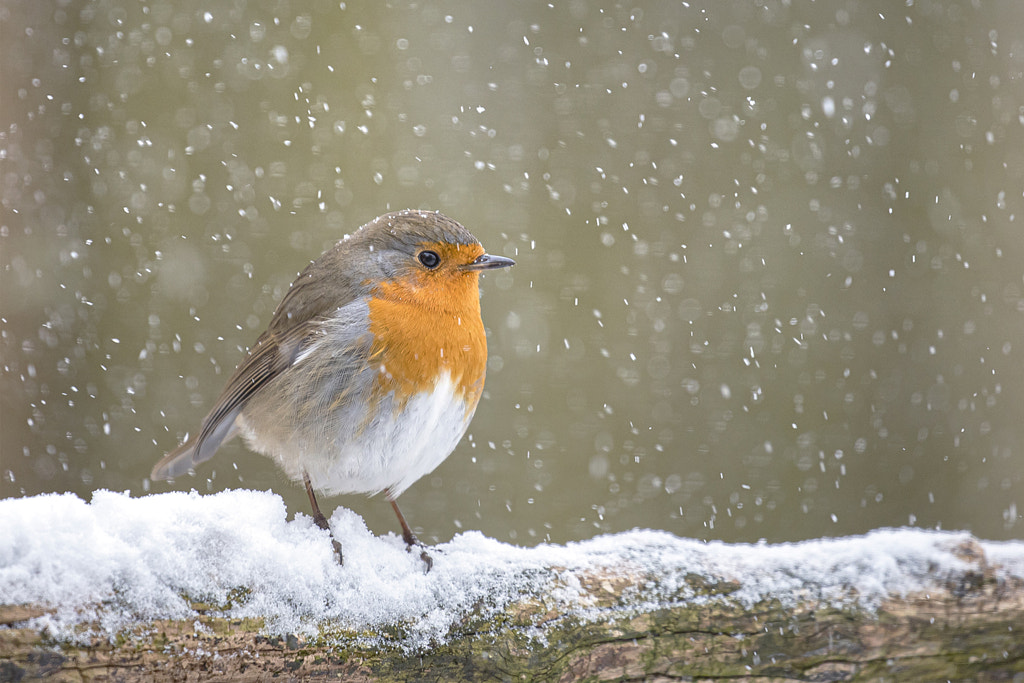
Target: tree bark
{"points": [[971, 627]]}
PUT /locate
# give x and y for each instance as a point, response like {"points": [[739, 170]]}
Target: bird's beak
{"points": [[487, 262]]}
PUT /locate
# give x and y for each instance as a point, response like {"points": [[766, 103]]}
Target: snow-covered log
{"points": [[187, 587]]}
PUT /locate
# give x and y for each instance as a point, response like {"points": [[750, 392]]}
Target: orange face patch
{"points": [[426, 322]]}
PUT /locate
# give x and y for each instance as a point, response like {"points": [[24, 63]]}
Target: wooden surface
{"points": [[970, 627]]}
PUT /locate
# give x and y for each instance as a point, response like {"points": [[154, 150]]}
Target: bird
{"points": [[370, 369]]}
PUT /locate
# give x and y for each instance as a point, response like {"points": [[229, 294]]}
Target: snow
{"points": [[118, 561]]}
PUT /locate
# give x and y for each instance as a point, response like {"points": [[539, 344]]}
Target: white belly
{"points": [[389, 453]]}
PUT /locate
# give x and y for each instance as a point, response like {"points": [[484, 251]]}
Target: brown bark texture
{"points": [[967, 627]]}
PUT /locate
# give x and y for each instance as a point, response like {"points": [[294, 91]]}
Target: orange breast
{"points": [[423, 325]]}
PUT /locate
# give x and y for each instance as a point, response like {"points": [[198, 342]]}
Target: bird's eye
{"points": [[430, 259]]}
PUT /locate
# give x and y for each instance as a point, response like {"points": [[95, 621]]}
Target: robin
{"points": [[370, 370]]}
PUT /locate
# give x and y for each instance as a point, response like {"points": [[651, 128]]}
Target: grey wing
{"points": [[326, 357], [270, 357], [295, 325]]}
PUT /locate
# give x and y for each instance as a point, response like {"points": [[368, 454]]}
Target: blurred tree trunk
{"points": [[970, 628]]}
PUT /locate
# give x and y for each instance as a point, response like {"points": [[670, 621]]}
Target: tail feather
{"points": [[186, 456], [176, 463]]}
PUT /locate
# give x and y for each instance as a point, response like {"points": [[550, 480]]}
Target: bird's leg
{"points": [[410, 538], [319, 518]]}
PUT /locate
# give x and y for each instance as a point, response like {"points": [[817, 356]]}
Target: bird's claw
{"points": [[427, 560], [321, 522], [413, 542]]}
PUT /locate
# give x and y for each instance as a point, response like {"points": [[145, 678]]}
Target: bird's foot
{"points": [[410, 538], [412, 542], [321, 522], [319, 518]]}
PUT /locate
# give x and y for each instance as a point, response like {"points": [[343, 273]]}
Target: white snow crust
{"points": [[119, 561]]}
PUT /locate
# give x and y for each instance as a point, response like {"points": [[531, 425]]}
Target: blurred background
{"points": [[770, 278]]}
